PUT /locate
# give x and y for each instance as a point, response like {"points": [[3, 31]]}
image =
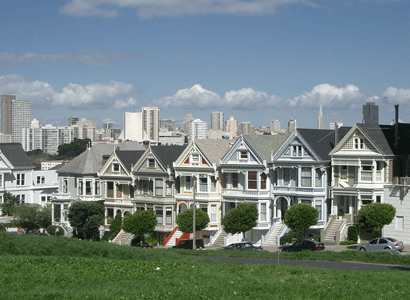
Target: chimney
{"points": [[396, 127], [104, 159]]}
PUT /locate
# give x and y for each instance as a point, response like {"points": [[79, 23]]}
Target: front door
{"points": [[282, 208]]}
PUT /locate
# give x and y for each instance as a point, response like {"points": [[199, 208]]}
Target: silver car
{"points": [[384, 244]]}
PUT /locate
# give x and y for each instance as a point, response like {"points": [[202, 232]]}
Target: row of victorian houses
{"points": [[334, 171]]}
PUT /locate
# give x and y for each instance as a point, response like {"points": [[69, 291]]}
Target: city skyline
{"points": [[253, 60]]}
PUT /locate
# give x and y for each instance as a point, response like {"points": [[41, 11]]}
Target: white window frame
{"points": [[195, 158], [187, 183], [159, 187], [263, 212], [115, 166]]}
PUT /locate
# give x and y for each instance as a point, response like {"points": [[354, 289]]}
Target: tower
{"points": [[370, 113], [15, 116], [150, 122], [320, 118], [291, 125], [217, 121]]}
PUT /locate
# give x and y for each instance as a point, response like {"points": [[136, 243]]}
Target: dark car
{"points": [[242, 246], [187, 244], [142, 245], [304, 245]]}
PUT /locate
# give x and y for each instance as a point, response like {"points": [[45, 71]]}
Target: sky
{"points": [[255, 60]]}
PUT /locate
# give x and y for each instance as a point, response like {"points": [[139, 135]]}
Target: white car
{"points": [[383, 244]]}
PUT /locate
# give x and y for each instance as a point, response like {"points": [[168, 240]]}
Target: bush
{"points": [[376, 233], [51, 230], [340, 213], [352, 233], [348, 242], [290, 237], [151, 240]]}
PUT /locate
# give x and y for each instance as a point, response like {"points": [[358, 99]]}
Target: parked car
{"points": [[385, 244], [242, 246], [142, 245], [187, 244], [303, 245]]}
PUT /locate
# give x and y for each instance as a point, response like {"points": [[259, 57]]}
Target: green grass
{"points": [[38, 267]]}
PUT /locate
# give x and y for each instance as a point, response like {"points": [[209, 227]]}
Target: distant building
{"points": [[274, 125], [370, 113], [133, 129], [167, 124], [291, 125], [150, 122], [232, 126], [333, 125], [72, 121], [245, 128], [199, 129], [15, 116], [217, 121], [186, 126], [320, 118]]}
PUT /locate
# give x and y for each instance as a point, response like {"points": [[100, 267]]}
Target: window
{"points": [[115, 167], [263, 212], [296, 150], [263, 181], [21, 179], [235, 180], [252, 181], [306, 177], [187, 183], [110, 189], [41, 180], [168, 215], [213, 184], [169, 188], [88, 185], [204, 207], [159, 187], [399, 222], [57, 212], [145, 187], [343, 172], [366, 169], [80, 187], [358, 143], [1, 180], [119, 190], [213, 213], [318, 178], [243, 155], [318, 206], [97, 187], [65, 185], [160, 216], [286, 176], [203, 184], [151, 163], [43, 198], [366, 199], [195, 158]]}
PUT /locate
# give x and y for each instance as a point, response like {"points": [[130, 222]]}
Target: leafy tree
{"points": [[115, 226], [32, 216], [9, 203], [140, 223], [80, 216], [240, 219], [352, 233], [375, 216], [185, 220], [73, 149], [300, 217]]}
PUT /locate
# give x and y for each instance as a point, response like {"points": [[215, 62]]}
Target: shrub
{"points": [[348, 242], [151, 240], [290, 237], [376, 233], [52, 230], [352, 233], [340, 213]]}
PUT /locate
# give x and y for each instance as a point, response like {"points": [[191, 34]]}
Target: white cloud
{"points": [[330, 96], [174, 8], [121, 105], [31, 58], [73, 96], [197, 97], [394, 95]]}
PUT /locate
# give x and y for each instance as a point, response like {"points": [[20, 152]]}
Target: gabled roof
{"points": [[167, 154], [265, 145], [214, 149], [376, 136], [90, 161], [129, 157], [16, 156], [322, 141]]}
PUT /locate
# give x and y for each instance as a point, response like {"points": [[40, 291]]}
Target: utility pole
{"points": [[193, 214]]}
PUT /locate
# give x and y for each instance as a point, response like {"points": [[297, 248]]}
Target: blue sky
{"points": [[255, 60]]}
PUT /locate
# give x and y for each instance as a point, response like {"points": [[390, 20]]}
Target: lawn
{"points": [[35, 267]]}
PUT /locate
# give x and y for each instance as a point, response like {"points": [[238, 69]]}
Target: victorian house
{"points": [[197, 173]]}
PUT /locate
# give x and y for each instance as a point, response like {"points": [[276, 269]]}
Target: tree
{"points": [[115, 225], [80, 216], [300, 217], [240, 219], [9, 203], [140, 223], [32, 216], [185, 220], [375, 216], [73, 149]]}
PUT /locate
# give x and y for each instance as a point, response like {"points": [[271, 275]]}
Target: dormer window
{"points": [[243, 155], [195, 158], [151, 163], [115, 167], [296, 151]]}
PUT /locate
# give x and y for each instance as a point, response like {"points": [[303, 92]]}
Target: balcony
{"points": [[245, 193], [296, 189]]}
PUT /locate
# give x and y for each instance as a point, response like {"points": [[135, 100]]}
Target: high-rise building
{"points": [[232, 126], [370, 113], [133, 129], [245, 128], [320, 118], [217, 121], [333, 125], [186, 126], [150, 121], [167, 125], [15, 116], [108, 125], [291, 125], [199, 129], [274, 125], [72, 121]]}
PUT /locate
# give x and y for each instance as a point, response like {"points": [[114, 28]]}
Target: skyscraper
{"points": [[150, 121], [72, 121], [217, 121], [199, 129], [370, 113], [274, 125], [232, 126], [15, 116], [320, 118], [291, 125]]}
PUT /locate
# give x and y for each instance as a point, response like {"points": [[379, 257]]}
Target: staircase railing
{"points": [[184, 236], [229, 239], [284, 229], [213, 238], [166, 239], [266, 237], [323, 232]]}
